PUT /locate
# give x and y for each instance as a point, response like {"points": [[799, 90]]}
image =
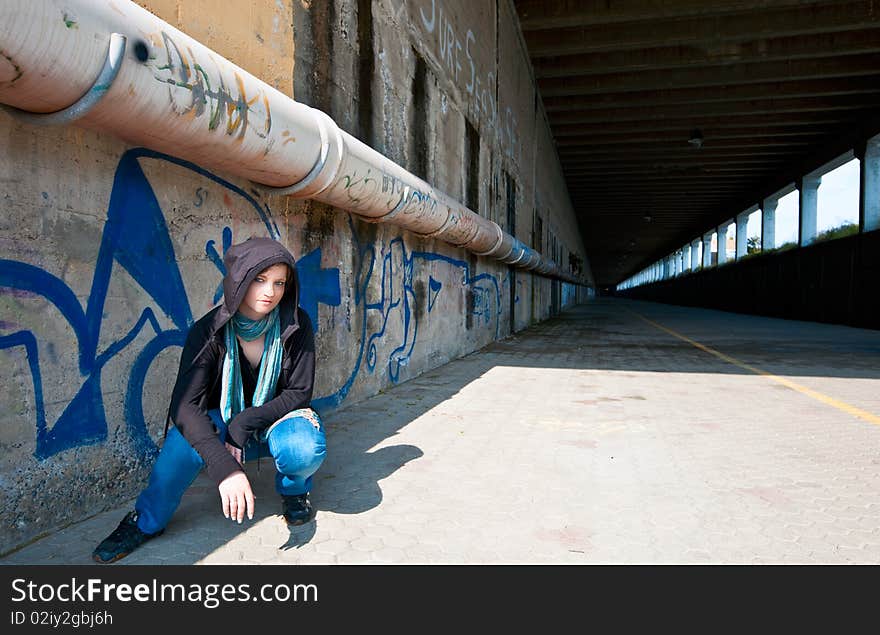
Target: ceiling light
{"points": [[696, 139]]}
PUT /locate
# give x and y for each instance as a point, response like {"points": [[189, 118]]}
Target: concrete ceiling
{"points": [[775, 88]]}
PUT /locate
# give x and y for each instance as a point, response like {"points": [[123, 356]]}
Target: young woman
{"points": [[246, 372]]}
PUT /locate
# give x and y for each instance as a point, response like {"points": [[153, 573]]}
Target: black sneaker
{"points": [[297, 509], [124, 539]]}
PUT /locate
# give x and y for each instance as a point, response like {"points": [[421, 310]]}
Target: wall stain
{"points": [[319, 225]]}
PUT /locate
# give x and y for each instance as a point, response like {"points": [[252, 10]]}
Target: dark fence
{"points": [[837, 281]]}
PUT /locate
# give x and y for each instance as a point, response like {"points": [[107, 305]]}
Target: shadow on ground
{"points": [[607, 334]]}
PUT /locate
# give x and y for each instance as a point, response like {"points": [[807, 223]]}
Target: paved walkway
{"points": [[600, 436]]}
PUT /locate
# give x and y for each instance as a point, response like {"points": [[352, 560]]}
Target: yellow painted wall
{"points": [[256, 35]]}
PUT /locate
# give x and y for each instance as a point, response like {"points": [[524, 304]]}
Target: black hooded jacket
{"points": [[198, 385]]}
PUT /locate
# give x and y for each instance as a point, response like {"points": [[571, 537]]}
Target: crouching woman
{"points": [[246, 374]]}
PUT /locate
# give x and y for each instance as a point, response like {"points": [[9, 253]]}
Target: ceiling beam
{"points": [[647, 33], [541, 14], [621, 161], [832, 90], [696, 172], [780, 72], [602, 152], [658, 184], [770, 105], [824, 45], [661, 184], [683, 134], [714, 143], [803, 120]]}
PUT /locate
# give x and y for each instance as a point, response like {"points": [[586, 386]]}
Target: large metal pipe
{"points": [[170, 93]]}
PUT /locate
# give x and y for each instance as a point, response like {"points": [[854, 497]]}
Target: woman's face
{"points": [[264, 292]]}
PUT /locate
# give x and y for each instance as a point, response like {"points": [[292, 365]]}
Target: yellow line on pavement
{"points": [[818, 396]]}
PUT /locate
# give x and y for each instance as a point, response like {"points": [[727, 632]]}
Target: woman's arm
{"points": [[198, 372], [295, 393]]}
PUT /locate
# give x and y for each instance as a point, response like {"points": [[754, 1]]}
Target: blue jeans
{"points": [[296, 442]]}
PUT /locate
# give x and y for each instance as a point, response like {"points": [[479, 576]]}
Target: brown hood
{"points": [[243, 262]]}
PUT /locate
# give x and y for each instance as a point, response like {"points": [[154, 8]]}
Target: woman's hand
{"points": [[237, 497]]}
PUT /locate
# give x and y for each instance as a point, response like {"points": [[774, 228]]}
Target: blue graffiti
{"points": [[396, 292], [484, 287], [317, 285], [217, 259], [366, 255], [136, 237], [389, 300], [434, 286]]}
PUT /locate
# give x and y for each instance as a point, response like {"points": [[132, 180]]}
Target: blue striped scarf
{"points": [[232, 389]]}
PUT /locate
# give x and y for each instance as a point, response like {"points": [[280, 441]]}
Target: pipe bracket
{"points": [[331, 148], [401, 204], [89, 100]]}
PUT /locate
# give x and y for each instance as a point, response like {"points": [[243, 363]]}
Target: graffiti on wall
{"points": [[385, 287], [136, 237], [455, 54]]}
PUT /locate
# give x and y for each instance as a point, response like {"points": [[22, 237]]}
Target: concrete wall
{"points": [[108, 252]]}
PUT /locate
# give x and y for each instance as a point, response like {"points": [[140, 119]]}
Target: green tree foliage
{"points": [[847, 229]]}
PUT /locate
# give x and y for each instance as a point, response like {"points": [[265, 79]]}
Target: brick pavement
{"points": [[594, 437]]}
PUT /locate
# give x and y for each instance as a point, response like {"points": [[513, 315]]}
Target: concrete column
{"points": [[742, 237], [809, 198], [722, 244], [768, 224], [707, 250], [695, 255], [869, 207], [681, 260]]}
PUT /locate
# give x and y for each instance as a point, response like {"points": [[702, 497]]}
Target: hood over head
{"points": [[244, 261]]}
